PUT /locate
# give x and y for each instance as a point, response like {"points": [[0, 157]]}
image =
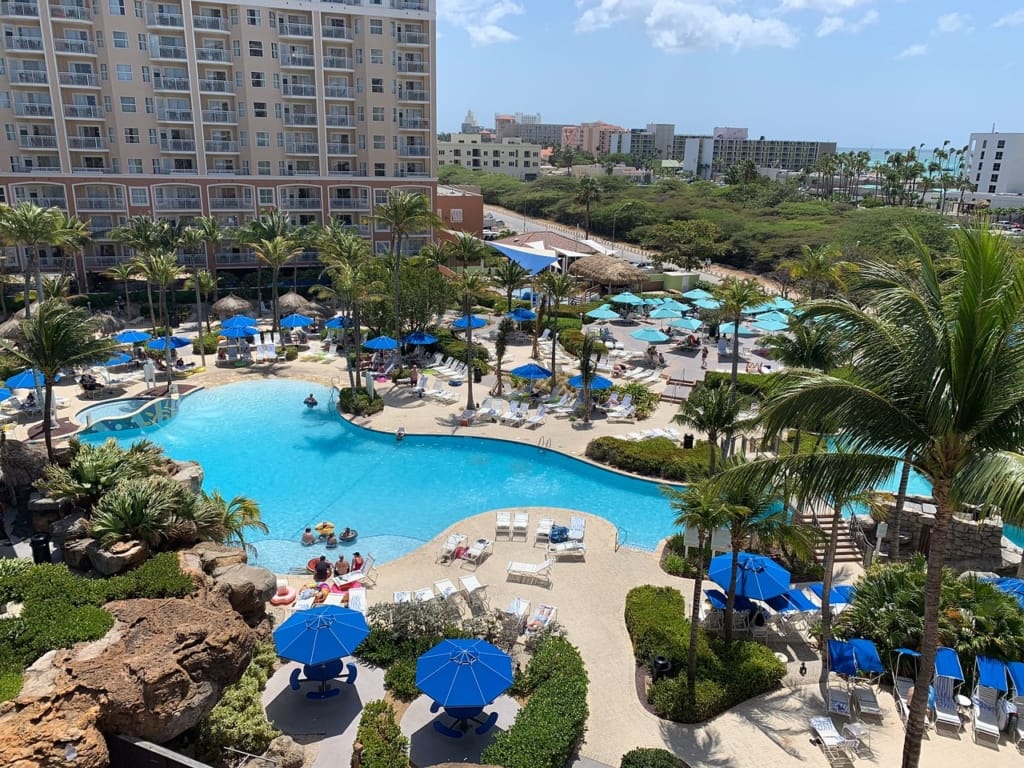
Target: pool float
{"points": [[311, 565], [310, 402], [285, 595], [324, 528], [350, 536]]}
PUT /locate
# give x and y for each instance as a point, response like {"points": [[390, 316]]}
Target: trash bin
{"points": [[478, 375], [687, 441], [660, 667], [40, 544]]}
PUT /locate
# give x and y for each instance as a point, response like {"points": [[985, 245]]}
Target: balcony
{"points": [[177, 145], [70, 12], [350, 204], [299, 118], [28, 77], [230, 203], [171, 84], [86, 143], [407, 95], [413, 38], [304, 60], [91, 169], [79, 79], [410, 5], [338, 62], [172, 52], [217, 146], [72, 46], [310, 171], [414, 124], [338, 148], [227, 169], [335, 32], [214, 85], [83, 112], [177, 203], [213, 54], [37, 142], [299, 89], [301, 203], [225, 258], [174, 115], [293, 29], [175, 20], [19, 10], [100, 203], [339, 92], [172, 171], [219, 116], [413, 174], [413, 67], [26, 44], [31, 109], [340, 121], [301, 148], [413, 151], [42, 202], [211, 23]]}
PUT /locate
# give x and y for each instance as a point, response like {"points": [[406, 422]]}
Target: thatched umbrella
{"points": [[108, 323], [291, 302], [230, 305], [21, 464], [11, 329], [606, 270], [319, 310]]}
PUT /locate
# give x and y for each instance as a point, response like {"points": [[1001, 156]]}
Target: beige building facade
{"points": [[513, 157], [117, 108]]}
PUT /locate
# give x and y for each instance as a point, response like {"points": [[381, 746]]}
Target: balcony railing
{"points": [[230, 203], [408, 95], [91, 169], [174, 115], [350, 204], [86, 142], [27, 109], [213, 85], [177, 145], [171, 84], [296, 59], [99, 203], [214, 145], [219, 116], [83, 111], [173, 171], [338, 148], [79, 79], [227, 169], [177, 203], [215, 23], [413, 38], [310, 171], [43, 202], [415, 67], [23, 44], [340, 121], [20, 10], [213, 54], [413, 151], [292, 29], [413, 174], [176, 52], [338, 62], [339, 92], [301, 148], [66, 45], [37, 142], [165, 19], [231, 257], [301, 203], [28, 77], [300, 118], [414, 123], [299, 89], [410, 5], [70, 12], [334, 32]]}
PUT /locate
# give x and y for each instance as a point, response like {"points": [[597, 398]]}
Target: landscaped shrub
{"points": [[551, 724], [674, 560], [452, 346], [644, 399], [400, 679], [650, 758], [384, 746], [291, 353], [239, 720], [658, 457], [208, 342], [751, 384], [357, 402], [404, 631], [572, 342]]}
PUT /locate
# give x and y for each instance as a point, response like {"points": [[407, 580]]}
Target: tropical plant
{"points": [[510, 277], [72, 236], [737, 295], [716, 411], [234, 518], [469, 249], [588, 192], [557, 287], [94, 469], [588, 370], [275, 254], [469, 284], [125, 271], [161, 270], [205, 285], [141, 509], [58, 337], [145, 236], [505, 328], [29, 226], [819, 270]]}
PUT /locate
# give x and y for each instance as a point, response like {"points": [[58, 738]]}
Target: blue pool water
{"points": [[304, 466], [113, 408]]}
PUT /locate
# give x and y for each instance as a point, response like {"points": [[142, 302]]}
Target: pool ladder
{"points": [[544, 443], [621, 536]]}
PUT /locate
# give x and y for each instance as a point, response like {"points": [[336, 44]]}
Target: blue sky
{"points": [[866, 73]]}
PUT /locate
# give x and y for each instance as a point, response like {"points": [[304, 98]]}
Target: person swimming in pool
{"points": [[310, 401]]}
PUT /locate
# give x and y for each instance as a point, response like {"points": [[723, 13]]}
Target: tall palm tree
{"points": [[510, 277], [469, 286], [588, 192], [161, 270], [714, 411], [588, 370], [468, 249], [145, 236], [205, 283], [505, 328], [819, 269], [58, 337], [938, 380], [558, 287], [29, 226], [440, 252], [271, 223], [234, 517], [72, 236], [737, 295], [275, 254], [404, 213], [702, 508], [124, 271]]}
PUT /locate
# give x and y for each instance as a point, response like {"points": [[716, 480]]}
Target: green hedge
{"points": [[751, 384], [208, 342], [384, 746], [650, 758], [645, 400], [572, 342], [551, 724], [456, 347], [357, 402], [657, 457], [400, 679]]}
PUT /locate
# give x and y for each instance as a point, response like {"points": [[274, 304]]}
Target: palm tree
{"points": [[404, 213], [59, 336], [205, 284], [469, 286], [701, 508], [558, 287], [937, 380], [235, 517], [275, 254], [588, 370], [510, 277], [468, 249], [161, 269], [29, 226], [124, 271], [145, 236], [820, 269], [72, 236], [714, 411], [505, 327], [588, 192], [440, 252], [737, 295]]}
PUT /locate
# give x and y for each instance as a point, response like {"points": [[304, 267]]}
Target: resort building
{"points": [[195, 107], [461, 209], [529, 129], [595, 138], [732, 146], [995, 166], [512, 157]]}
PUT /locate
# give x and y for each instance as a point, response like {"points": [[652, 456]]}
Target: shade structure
{"points": [[420, 338], [530, 371], [673, 304], [5, 394], [650, 335], [607, 270], [597, 383], [653, 301], [769, 326], [664, 313], [627, 298], [464, 673], [338, 322], [30, 378], [119, 359], [760, 309], [604, 312], [522, 314], [947, 664], [321, 634], [731, 330], [850, 657], [687, 323], [1015, 669], [297, 320], [381, 342], [230, 305], [707, 303], [533, 260], [468, 321], [991, 673], [757, 577], [238, 321], [781, 304], [1011, 586], [238, 332], [697, 293], [773, 317], [292, 302], [177, 342], [132, 337]]}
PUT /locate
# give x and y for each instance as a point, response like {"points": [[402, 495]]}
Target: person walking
{"points": [[704, 356]]}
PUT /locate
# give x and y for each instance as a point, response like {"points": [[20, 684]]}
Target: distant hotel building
{"points": [[195, 107], [595, 138], [528, 128], [995, 165], [513, 157]]}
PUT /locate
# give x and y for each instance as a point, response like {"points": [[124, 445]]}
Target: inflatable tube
{"points": [[285, 595], [351, 535], [324, 528]]}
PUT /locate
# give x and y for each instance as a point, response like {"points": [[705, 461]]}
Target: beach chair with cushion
{"points": [[530, 572], [452, 543], [543, 532], [519, 609], [357, 599], [367, 573], [839, 701], [514, 416], [541, 618], [629, 414], [521, 525], [946, 682], [990, 684], [422, 385], [567, 549], [475, 592], [476, 552], [492, 409], [403, 596], [577, 528], [423, 595], [836, 747], [445, 588], [538, 418], [502, 524]]}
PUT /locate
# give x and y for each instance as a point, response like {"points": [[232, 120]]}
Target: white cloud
{"points": [[952, 22], [1011, 19], [689, 25], [481, 19], [918, 49], [832, 24], [830, 7]]}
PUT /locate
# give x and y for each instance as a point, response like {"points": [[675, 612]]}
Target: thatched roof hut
{"points": [[319, 310], [606, 270], [11, 329], [292, 302], [230, 305]]}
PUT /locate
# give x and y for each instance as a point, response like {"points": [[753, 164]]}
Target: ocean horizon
{"points": [[878, 153]]}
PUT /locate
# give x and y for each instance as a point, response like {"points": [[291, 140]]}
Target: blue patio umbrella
{"points": [[757, 577], [420, 338], [469, 321], [132, 337], [687, 323], [731, 330], [759, 309], [781, 304], [321, 634], [697, 293], [653, 301], [530, 371], [662, 313], [119, 359], [177, 342], [673, 304], [30, 378], [650, 335], [774, 317], [521, 314], [597, 383], [338, 322], [707, 303], [238, 321], [381, 342], [604, 312], [627, 298], [240, 332], [770, 326], [464, 673], [296, 320], [5, 393]]}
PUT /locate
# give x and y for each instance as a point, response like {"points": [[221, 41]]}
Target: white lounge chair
{"points": [[985, 716], [453, 542], [519, 609], [623, 415], [835, 746], [511, 416], [521, 524], [403, 596], [565, 549], [502, 524], [538, 418], [491, 409], [946, 710], [530, 572], [475, 554], [541, 618], [577, 528], [476, 593], [866, 699], [357, 599], [543, 532], [367, 573], [422, 384], [445, 588], [423, 595]]}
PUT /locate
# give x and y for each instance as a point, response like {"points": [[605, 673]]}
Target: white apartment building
{"points": [[509, 156], [995, 165], [176, 109]]}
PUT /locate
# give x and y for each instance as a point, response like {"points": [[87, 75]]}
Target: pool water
{"points": [[112, 409], [306, 465]]}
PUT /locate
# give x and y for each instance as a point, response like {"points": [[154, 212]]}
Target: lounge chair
{"points": [[530, 572], [624, 415], [502, 524], [577, 528], [573, 549], [357, 599], [543, 532], [367, 573], [609, 405], [836, 747], [452, 543], [519, 609], [990, 684], [520, 524], [403, 596], [445, 588], [421, 386], [866, 699], [475, 554], [627, 402], [838, 701], [491, 409], [541, 618], [512, 415], [945, 682], [423, 595], [475, 592], [538, 418]]}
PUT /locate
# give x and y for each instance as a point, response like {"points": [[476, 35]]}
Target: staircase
{"points": [[846, 548]]}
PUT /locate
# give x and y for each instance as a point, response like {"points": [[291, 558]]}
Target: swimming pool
{"points": [[305, 465], [111, 409]]}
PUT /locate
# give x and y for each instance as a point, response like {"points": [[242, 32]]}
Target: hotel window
{"points": [[139, 195], [377, 85], [380, 169], [994, 178], [263, 168], [999, 155], [376, 55], [259, 109], [134, 165], [996, 166], [456, 215], [262, 139], [115, 7], [252, 17], [380, 197], [266, 197], [120, 39], [124, 72], [376, 28], [992, 189], [145, 74], [143, 41], [127, 103], [255, 48], [258, 79], [1001, 143], [379, 142], [378, 114]]}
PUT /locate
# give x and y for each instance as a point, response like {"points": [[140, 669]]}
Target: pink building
{"points": [[591, 137]]}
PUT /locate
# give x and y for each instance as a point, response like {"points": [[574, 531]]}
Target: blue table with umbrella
{"points": [[687, 323], [238, 332], [297, 320], [132, 337], [237, 321], [757, 577], [522, 314], [597, 383], [773, 317], [118, 359], [697, 293], [650, 335], [731, 329], [707, 303], [468, 321], [627, 298], [319, 638], [604, 312], [531, 372], [464, 676], [769, 326], [665, 313], [338, 322], [381, 342], [176, 342], [420, 339], [30, 378]]}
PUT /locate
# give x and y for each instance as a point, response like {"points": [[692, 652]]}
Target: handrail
{"points": [[621, 536], [252, 756]]}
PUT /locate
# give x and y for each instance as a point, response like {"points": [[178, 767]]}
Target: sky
{"points": [[863, 73]]}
